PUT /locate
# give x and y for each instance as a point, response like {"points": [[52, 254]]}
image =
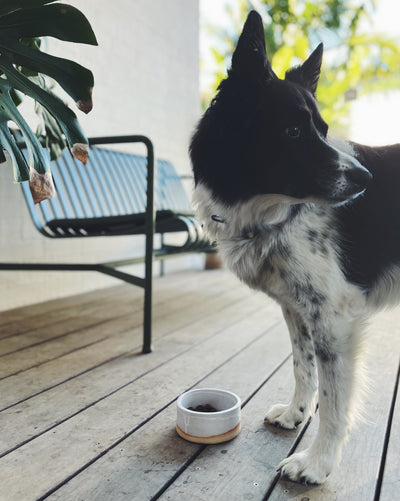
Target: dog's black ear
{"points": [[308, 73], [250, 57]]}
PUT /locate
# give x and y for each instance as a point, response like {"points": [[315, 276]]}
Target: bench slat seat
{"points": [[131, 224]]}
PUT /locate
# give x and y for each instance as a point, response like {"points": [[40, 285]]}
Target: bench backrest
{"points": [[112, 183]]}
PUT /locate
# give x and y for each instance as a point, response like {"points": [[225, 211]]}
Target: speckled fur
{"points": [[288, 250]]}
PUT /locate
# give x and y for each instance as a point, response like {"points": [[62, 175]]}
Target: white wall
{"points": [[146, 82]]}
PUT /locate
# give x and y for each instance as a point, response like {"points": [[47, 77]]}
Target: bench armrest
{"points": [[150, 207]]}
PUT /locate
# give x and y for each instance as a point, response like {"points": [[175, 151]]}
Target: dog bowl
{"points": [[208, 416]]}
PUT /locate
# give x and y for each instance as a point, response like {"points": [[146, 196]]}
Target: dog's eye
{"points": [[293, 132]]}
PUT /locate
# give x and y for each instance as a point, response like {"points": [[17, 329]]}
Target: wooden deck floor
{"points": [[84, 416]]}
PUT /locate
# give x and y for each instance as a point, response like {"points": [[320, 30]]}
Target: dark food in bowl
{"points": [[203, 408]]}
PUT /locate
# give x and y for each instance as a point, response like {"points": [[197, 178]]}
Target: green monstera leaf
{"points": [[22, 23]]}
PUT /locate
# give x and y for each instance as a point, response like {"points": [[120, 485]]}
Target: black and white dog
{"points": [[312, 223]]}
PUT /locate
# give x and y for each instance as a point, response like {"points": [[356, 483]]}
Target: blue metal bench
{"points": [[117, 193]]}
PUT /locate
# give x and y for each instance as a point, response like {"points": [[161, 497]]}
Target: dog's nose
{"points": [[359, 176]]}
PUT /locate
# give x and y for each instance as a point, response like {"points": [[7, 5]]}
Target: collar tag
{"points": [[218, 219]]}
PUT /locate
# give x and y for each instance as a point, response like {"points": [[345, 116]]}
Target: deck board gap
{"points": [[61, 336], [74, 376], [245, 347], [274, 371], [74, 350], [184, 466], [190, 321], [382, 464], [292, 449], [57, 305], [65, 311]]}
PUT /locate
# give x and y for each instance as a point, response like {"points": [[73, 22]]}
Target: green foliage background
{"points": [[356, 61]]}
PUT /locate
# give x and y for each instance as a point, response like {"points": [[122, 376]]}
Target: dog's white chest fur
{"points": [[292, 258]]}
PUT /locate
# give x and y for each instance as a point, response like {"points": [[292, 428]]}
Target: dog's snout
{"points": [[352, 178]]}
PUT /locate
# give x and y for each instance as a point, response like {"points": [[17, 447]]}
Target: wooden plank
{"points": [[120, 341], [18, 320], [47, 409], [14, 315], [59, 346], [59, 453], [389, 490], [30, 382], [52, 315], [77, 314], [151, 456], [66, 322], [356, 476]]}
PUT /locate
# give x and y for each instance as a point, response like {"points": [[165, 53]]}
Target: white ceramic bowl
{"points": [[208, 427]]}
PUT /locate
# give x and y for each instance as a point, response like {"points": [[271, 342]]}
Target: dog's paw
{"points": [[285, 416], [306, 468]]}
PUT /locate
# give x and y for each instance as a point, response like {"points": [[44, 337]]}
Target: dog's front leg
{"points": [[303, 402], [336, 352]]}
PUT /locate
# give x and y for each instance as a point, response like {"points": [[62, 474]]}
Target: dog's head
{"points": [[263, 135]]}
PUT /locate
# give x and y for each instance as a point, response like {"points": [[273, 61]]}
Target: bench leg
{"points": [[147, 316], [150, 229], [148, 289]]}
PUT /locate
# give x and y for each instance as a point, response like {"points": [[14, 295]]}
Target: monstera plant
{"points": [[22, 64]]}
